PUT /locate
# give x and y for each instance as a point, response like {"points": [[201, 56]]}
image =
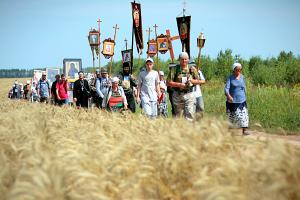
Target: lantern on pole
{"points": [[94, 41], [200, 43]]}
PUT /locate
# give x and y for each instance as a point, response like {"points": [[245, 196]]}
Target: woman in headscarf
{"points": [[236, 106], [115, 99]]}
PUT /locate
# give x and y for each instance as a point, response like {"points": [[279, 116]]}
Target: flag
{"points": [[137, 25], [184, 27]]}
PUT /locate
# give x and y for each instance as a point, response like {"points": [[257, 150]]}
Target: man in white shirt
{"points": [[148, 90]]}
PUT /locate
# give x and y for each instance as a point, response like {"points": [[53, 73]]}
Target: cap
{"points": [[103, 70], [149, 59], [161, 73], [236, 65], [97, 71], [183, 55], [115, 79], [44, 74], [28, 82]]}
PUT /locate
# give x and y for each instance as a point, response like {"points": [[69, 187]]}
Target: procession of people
{"points": [[149, 91]]}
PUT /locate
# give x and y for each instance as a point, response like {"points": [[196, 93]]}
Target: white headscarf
{"points": [[236, 65]]}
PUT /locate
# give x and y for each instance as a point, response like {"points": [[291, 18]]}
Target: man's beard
{"points": [[126, 73]]}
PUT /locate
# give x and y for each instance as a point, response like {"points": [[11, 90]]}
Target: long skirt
{"points": [[238, 114]]}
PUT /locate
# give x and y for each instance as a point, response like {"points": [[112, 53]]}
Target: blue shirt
{"points": [[44, 86], [236, 88]]}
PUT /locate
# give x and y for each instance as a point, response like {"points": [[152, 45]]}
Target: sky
{"points": [[41, 33]]}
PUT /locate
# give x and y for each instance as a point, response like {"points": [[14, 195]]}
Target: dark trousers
{"points": [[131, 102], [171, 101], [82, 102]]}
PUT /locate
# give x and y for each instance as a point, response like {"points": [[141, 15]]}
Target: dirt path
{"points": [[292, 139]]}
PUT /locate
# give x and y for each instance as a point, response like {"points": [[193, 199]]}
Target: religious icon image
{"points": [[136, 16], [183, 31], [71, 67], [152, 48], [126, 55], [94, 38], [108, 48], [162, 42]]}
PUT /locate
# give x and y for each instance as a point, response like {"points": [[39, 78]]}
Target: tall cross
{"points": [[148, 31], [155, 30], [184, 8], [111, 58], [99, 21], [125, 43], [116, 28], [170, 39]]}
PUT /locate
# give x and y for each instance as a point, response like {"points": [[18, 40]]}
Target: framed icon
{"points": [[152, 48], [72, 67], [126, 55], [108, 48], [51, 73], [94, 38], [162, 43]]}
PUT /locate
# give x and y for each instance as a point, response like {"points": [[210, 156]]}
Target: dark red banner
{"points": [[184, 27], [137, 25]]}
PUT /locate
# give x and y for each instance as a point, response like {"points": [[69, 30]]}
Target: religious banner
{"points": [[184, 27], [37, 75], [51, 73], [126, 55], [152, 48], [137, 25]]}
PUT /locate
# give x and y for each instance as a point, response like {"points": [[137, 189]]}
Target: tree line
{"points": [[283, 70]]}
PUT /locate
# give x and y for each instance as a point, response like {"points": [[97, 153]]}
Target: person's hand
{"points": [[182, 85], [58, 97], [125, 107], [229, 99], [138, 100], [74, 99]]}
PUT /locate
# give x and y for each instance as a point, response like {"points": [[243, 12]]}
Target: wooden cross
{"points": [[99, 21], [125, 43], [170, 39], [116, 28], [149, 30], [155, 30], [111, 58]]}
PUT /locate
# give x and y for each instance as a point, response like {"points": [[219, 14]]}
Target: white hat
{"points": [[115, 79], [161, 73], [183, 55], [236, 65], [44, 74], [149, 59], [28, 81]]}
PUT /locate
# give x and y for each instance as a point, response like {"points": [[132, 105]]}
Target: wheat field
{"points": [[51, 153]]}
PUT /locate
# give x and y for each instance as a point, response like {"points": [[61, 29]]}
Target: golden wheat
{"points": [[49, 152]]}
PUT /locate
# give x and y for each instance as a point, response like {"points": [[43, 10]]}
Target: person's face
{"points": [[149, 66], [114, 85], [161, 77], [104, 75], [44, 77], [80, 76], [126, 69], [184, 62], [63, 78], [237, 71]]}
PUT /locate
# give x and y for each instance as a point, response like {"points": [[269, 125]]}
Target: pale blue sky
{"points": [[41, 33]]}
